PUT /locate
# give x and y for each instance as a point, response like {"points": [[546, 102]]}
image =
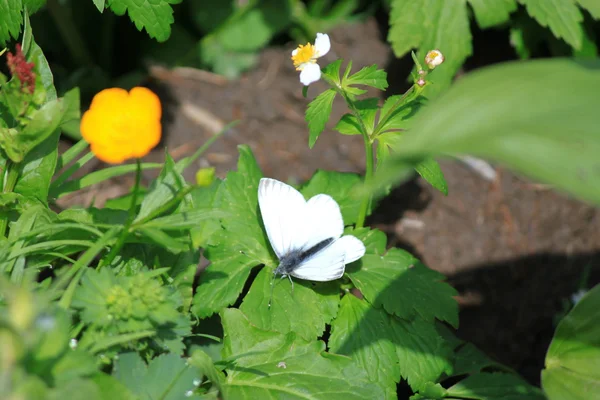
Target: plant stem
{"points": [[12, 174], [366, 201], [125, 232]]}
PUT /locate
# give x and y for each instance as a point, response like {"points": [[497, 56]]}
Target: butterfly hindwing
{"points": [[329, 263]]}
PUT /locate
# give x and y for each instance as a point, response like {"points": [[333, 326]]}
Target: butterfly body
{"points": [[306, 235]]}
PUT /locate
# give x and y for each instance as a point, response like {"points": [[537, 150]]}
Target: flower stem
{"points": [[366, 201], [125, 232], [12, 174]]}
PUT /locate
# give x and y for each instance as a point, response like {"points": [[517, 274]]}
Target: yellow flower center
{"points": [[304, 54]]}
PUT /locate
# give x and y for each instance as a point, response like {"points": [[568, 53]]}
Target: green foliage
{"points": [[571, 362], [155, 17], [512, 120]]}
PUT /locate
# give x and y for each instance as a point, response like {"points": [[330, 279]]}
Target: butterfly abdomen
{"points": [[294, 258]]}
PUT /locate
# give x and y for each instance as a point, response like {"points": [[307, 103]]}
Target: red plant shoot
{"points": [[21, 69]]}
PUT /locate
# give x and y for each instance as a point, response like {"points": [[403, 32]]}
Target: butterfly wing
{"points": [[283, 211], [329, 263], [323, 220]]}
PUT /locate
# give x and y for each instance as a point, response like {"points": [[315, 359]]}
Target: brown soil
{"points": [[513, 249]]}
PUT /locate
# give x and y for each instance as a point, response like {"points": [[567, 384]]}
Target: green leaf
{"points": [[348, 125], [111, 388], [489, 13], [404, 286], [34, 54], [363, 333], [561, 16], [10, 24], [504, 114], [317, 114], [494, 386], [333, 70], [184, 220], [99, 4], [592, 6], [572, 360], [168, 184], [205, 197], [167, 376], [154, 16], [241, 243], [369, 76], [428, 25], [312, 305], [430, 170], [271, 365]]}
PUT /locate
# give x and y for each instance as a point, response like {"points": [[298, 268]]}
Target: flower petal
{"points": [[294, 52], [322, 45], [310, 73]]}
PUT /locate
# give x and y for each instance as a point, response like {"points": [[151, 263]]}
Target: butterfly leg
{"points": [[290, 278]]}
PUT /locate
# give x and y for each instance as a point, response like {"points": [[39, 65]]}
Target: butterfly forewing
{"points": [[283, 210]]}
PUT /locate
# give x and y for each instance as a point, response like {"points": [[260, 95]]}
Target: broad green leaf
{"points": [[10, 23], [369, 76], [592, 6], [312, 305], [431, 171], [573, 357], [469, 360], [272, 365], [205, 364], [348, 125], [317, 114], [205, 197], [364, 334], [561, 16], [241, 243], [489, 13], [428, 25], [111, 388], [494, 386], [505, 114], [167, 377], [404, 287], [338, 185], [155, 16], [34, 54], [168, 185]]}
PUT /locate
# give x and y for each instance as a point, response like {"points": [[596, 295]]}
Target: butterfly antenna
{"points": [[272, 287]]}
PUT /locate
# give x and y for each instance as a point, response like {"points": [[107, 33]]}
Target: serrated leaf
{"points": [[494, 386], [430, 170], [396, 112], [592, 6], [428, 25], [348, 125], [154, 16], [332, 70], [561, 16], [10, 24], [363, 333], [572, 359], [271, 365], [338, 185], [317, 115], [312, 305], [405, 287], [375, 241], [167, 376], [99, 4], [368, 76], [469, 360], [489, 13], [241, 243], [505, 114]]}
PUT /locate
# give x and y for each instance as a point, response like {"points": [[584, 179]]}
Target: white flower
{"points": [[434, 58], [305, 58]]}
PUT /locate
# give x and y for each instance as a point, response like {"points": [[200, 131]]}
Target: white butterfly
{"points": [[306, 235]]}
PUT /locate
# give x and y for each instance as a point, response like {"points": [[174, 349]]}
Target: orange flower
{"points": [[121, 125]]}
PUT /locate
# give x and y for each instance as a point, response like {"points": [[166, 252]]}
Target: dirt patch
{"points": [[513, 249]]}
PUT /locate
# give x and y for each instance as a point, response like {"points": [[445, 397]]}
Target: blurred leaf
{"points": [[404, 287], [99, 4], [184, 220], [312, 305], [496, 386], [317, 114], [428, 25], [239, 245], [338, 185], [111, 388], [592, 6], [271, 365], [561, 16], [33, 5], [430, 170], [10, 24], [167, 377], [155, 16], [574, 354], [505, 114], [489, 13]]}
